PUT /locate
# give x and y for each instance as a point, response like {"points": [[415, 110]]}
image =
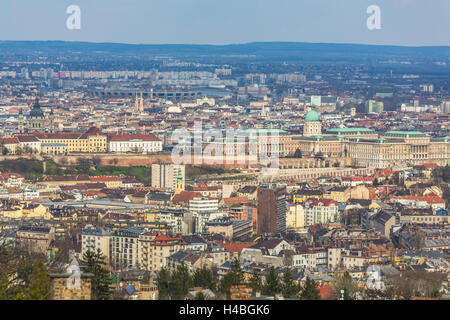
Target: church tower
{"points": [[51, 118], [20, 119], [136, 104], [141, 103], [36, 120], [180, 182]]}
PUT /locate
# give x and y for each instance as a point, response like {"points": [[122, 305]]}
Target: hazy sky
{"points": [[403, 22]]}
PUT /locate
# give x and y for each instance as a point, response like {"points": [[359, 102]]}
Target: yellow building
{"points": [[64, 180], [111, 182], [154, 249], [338, 194], [97, 141], [25, 210], [301, 196], [151, 216], [92, 140]]}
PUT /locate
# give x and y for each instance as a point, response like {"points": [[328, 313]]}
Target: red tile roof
{"points": [[186, 196], [133, 136], [105, 178], [9, 141], [325, 202], [422, 198], [237, 246]]}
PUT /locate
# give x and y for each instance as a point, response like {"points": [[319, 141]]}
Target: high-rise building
{"points": [[168, 176], [271, 209], [445, 107], [373, 106], [427, 87]]}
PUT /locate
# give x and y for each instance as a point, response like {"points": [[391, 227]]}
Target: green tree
{"points": [[256, 281], [309, 290], [297, 154], [95, 264], [272, 286], [39, 283], [4, 286], [375, 182], [180, 282], [199, 296], [234, 277], [19, 150], [346, 284], [83, 165], [163, 281], [290, 288], [204, 278]]}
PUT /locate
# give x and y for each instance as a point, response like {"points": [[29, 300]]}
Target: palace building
{"points": [[365, 146], [397, 148], [312, 126]]}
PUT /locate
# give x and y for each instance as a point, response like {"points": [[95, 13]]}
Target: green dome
{"points": [[36, 111], [312, 115]]}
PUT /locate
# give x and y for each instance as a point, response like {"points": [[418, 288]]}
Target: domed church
{"points": [[312, 126], [36, 118]]}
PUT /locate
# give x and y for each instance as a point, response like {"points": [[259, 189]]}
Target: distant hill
{"points": [[286, 50]]}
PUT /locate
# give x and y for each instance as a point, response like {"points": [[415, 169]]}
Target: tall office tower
{"points": [[168, 176], [445, 107], [373, 106], [271, 209]]}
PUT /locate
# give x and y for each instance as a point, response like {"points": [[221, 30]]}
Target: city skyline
{"points": [[404, 23]]}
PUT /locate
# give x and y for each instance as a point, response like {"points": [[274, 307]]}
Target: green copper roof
{"points": [[312, 115], [262, 131], [180, 175], [406, 134], [350, 130], [36, 110]]}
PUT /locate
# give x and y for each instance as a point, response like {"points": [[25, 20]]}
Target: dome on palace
{"points": [[36, 111], [312, 115]]}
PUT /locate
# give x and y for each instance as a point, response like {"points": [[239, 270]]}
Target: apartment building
{"points": [[125, 248], [94, 239], [154, 249], [168, 176], [272, 209], [35, 239], [321, 211]]}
